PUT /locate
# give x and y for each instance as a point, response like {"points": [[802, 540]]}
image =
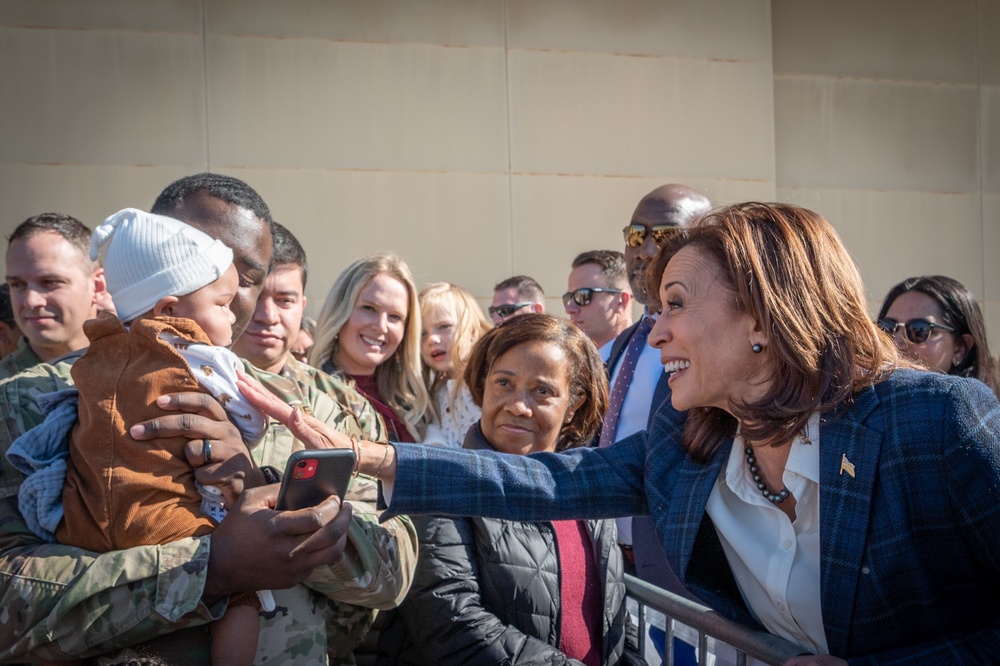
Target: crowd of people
{"points": [[755, 441]]}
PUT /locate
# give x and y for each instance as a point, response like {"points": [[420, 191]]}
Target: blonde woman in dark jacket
{"points": [[492, 591]]}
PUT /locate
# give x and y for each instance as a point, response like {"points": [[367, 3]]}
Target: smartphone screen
{"points": [[313, 475]]}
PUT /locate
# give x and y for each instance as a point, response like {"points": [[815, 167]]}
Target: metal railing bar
{"points": [[669, 641], [757, 644], [642, 630]]}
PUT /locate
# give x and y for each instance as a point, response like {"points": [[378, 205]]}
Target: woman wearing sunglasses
{"points": [[936, 321], [369, 333]]}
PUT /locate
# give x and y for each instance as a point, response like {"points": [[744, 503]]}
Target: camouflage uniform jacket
{"points": [[342, 392], [348, 624], [22, 358], [58, 600]]}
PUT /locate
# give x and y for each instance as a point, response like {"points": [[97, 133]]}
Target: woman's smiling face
{"points": [[375, 328], [705, 343], [526, 398]]}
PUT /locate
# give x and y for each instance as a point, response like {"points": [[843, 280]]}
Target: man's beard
{"points": [[637, 278]]}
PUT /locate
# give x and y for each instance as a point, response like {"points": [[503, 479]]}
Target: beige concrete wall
{"points": [[484, 138], [887, 121]]}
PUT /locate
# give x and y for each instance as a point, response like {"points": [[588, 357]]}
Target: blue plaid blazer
{"points": [[910, 545]]}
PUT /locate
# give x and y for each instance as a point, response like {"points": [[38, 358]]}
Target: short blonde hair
{"points": [[399, 383], [470, 324]]}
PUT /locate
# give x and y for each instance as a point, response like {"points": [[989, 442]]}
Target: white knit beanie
{"points": [[151, 256]]}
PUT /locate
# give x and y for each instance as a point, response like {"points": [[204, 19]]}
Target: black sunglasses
{"points": [[583, 295], [507, 310], [916, 331], [635, 234]]}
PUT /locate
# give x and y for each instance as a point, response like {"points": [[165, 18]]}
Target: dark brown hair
{"points": [[73, 230], [789, 271], [527, 287], [587, 378], [611, 262]]}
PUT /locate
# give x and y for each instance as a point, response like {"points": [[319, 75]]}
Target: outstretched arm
{"points": [[376, 566], [581, 483]]}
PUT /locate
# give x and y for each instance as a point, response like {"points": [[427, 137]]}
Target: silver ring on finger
{"points": [[206, 451]]}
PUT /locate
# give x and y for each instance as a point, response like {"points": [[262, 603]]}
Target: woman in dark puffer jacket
{"points": [[492, 591]]}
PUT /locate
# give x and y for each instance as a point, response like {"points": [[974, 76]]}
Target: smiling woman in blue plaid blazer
{"points": [[804, 479]]}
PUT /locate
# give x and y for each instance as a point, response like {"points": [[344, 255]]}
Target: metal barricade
{"points": [[760, 645]]}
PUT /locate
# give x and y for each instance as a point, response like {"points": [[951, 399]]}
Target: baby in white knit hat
{"points": [[172, 286]]}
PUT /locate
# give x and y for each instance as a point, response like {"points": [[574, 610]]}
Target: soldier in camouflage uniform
{"points": [[54, 288], [57, 600], [267, 343], [275, 324]]}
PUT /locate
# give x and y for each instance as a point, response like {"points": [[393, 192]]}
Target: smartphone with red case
{"points": [[313, 475]]}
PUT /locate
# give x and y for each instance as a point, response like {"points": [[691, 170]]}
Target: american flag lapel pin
{"points": [[846, 465]]}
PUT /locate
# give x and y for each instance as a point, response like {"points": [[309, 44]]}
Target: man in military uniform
{"points": [[54, 288], [267, 344], [61, 601], [277, 320]]}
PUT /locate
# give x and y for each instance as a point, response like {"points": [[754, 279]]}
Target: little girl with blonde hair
{"points": [[452, 322]]}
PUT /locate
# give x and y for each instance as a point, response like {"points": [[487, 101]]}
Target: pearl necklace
{"points": [[774, 498]]}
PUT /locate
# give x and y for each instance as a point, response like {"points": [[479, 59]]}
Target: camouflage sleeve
{"points": [[19, 412], [372, 426], [378, 562], [60, 601]]}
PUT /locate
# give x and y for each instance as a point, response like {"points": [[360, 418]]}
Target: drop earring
{"points": [[336, 344]]}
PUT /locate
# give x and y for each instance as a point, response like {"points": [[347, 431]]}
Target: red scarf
{"points": [[368, 387]]}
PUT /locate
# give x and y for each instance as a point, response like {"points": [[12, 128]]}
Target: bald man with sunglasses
{"points": [[638, 383]]}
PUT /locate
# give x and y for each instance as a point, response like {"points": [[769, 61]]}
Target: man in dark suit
{"points": [[637, 377], [638, 383]]}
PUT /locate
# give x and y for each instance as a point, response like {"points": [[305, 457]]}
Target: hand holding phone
{"points": [[313, 475]]}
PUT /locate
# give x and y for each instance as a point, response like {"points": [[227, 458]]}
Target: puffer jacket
{"points": [[486, 591]]}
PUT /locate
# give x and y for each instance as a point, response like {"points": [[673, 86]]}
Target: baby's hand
{"points": [[232, 487], [216, 499]]}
